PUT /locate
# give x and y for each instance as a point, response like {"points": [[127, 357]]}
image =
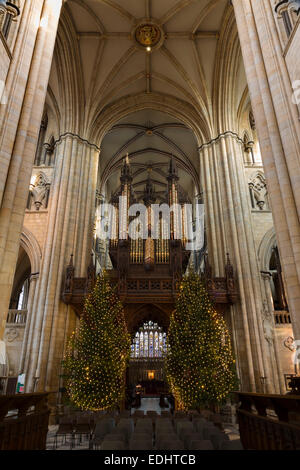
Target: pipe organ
{"points": [[157, 236]]}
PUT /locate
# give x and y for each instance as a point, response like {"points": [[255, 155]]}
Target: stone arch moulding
{"points": [[265, 249], [137, 314], [168, 104], [33, 250]]}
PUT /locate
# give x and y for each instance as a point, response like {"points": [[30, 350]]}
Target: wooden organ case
{"points": [[147, 272]]}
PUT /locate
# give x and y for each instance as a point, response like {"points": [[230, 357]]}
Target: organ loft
{"points": [[147, 271]]}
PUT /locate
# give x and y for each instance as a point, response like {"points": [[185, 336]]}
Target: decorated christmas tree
{"points": [[98, 352], [200, 366]]}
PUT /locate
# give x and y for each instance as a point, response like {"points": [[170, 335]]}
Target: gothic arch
{"points": [[32, 248], [168, 104], [145, 312], [265, 249]]}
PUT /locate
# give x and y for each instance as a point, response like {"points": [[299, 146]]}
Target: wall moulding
{"points": [[221, 136]]}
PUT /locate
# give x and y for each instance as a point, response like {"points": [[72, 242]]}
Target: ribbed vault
{"points": [[99, 64]]}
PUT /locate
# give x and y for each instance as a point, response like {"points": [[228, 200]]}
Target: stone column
{"points": [[278, 131], [269, 318], [32, 292], [229, 225], [20, 135], [70, 231]]}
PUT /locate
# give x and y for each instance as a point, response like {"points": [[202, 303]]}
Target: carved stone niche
{"points": [[39, 193], [259, 192]]}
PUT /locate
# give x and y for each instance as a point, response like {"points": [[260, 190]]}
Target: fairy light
{"points": [[98, 352], [200, 366]]}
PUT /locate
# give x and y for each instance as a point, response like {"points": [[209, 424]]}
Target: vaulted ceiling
{"points": [[112, 50], [151, 138]]}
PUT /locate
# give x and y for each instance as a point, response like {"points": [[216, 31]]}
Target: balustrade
{"points": [[17, 317], [269, 422], [24, 421]]}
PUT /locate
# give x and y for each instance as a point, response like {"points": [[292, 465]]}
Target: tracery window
{"points": [[149, 342], [9, 11], [287, 12]]}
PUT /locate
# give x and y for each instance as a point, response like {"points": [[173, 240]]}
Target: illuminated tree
{"points": [[200, 366], [98, 352]]}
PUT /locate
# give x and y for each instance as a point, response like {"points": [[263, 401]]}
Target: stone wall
{"points": [[5, 58], [292, 59], [14, 335], [283, 333]]}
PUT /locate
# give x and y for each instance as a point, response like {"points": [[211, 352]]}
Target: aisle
{"points": [[150, 404]]}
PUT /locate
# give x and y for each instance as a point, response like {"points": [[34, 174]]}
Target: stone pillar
{"points": [[32, 292], [269, 318], [69, 231], [20, 134], [229, 226], [278, 131]]}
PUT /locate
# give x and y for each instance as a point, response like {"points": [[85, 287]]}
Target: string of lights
{"points": [[200, 366], [98, 352]]}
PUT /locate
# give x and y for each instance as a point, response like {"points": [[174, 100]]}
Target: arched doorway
{"points": [[146, 379], [148, 326]]}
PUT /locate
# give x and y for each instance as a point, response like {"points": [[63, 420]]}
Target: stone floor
{"points": [[148, 404]]}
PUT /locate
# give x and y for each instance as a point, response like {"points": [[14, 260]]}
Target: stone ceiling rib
{"points": [[203, 14], [134, 78], [174, 11], [180, 69], [148, 73], [115, 70], [171, 144], [204, 91], [176, 86], [122, 11], [113, 67], [154, 128], [91, 12], [148, 8], [185, 165]]}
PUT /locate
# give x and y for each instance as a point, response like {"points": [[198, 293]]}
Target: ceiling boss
{"points": [[148, 35]]}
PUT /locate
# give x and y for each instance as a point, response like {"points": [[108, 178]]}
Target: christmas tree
{"points": [[200, 366], [98, 352]]}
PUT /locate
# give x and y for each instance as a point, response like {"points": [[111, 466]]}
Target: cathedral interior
{"points": [[174, 102]]}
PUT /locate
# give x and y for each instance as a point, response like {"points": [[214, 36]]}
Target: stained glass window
{"points": [[149, 341]]}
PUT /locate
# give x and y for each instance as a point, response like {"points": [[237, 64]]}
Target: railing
{"points": [[269, 422], [24, 421], [17, 317], [282, 317]]}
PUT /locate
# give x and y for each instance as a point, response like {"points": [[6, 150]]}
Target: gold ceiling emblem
{"points": [[148, 35]]}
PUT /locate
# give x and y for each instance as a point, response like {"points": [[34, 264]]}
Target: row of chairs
{"points": [[166, 434]]}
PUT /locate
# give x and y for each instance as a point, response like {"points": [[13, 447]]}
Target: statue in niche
{"points": [[39, 192], [259, 192], [252, 120]]}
